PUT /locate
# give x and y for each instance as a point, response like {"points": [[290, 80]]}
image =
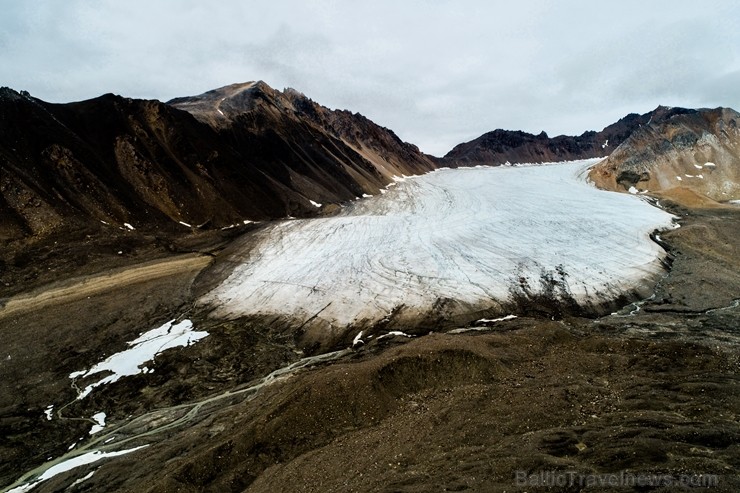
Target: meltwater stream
{"points": [[468, 234]]}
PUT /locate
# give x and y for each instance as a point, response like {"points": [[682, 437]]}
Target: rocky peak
{"points": [[689, 156], [501, 146]]}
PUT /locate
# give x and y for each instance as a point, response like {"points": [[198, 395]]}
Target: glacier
{"points": [[468, 236]]}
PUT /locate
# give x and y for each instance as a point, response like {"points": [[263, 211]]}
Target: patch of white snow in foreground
{"points": [[69, 464], [468, 234], [143, 349], [99, 419]]}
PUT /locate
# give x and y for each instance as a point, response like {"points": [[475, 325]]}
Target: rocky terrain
{"points": [[506, 146], [652, 388], [117, 216], [691, 157]]}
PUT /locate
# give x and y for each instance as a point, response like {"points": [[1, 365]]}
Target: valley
{"points": [[247, 291], [255, 406]]}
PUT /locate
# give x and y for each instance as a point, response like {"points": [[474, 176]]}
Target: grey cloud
{"points": [[436, 72]]}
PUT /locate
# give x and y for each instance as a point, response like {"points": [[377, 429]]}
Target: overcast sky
{"points": [[436, 72]]}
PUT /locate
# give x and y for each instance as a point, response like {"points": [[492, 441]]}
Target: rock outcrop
{"points": [[692, 158]]}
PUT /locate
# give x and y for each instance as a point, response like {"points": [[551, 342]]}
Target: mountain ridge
{"points": [[514, 146], [152, 165]]}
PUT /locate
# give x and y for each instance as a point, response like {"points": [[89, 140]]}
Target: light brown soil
{"points": [[84, 287]]}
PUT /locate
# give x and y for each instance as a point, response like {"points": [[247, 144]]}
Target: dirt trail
{"points": [[81, 287]]}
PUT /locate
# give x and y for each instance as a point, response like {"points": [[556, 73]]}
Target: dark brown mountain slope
{"points": [[256, 108], [692, 158], [250, 153], [502, 146]]}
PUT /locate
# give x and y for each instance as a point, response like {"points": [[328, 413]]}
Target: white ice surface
{"points": [[468, 234], [144, 348]]}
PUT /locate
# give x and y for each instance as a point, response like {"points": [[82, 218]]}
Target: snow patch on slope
{"points": [[144, 348]]}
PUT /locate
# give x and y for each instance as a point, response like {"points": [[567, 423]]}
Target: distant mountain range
{"points": [[250, 152], [502, 146]]}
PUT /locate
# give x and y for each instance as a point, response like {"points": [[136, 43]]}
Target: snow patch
{"points": [[185, 224], [49, 412], [69, 464], [493, 320], [679, 178], [605, 144], [99, 419], [709, 165], [357, 340], [394, 333], [128, 226], [366, 195], [633, 190], [143, 349], [698, 166], [315, 204], [82, 479]]}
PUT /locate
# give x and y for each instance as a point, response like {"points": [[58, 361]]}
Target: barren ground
{"points": [[648, 390]]}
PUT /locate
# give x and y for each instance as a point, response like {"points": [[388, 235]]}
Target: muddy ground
{"points": [[651, 388]]}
